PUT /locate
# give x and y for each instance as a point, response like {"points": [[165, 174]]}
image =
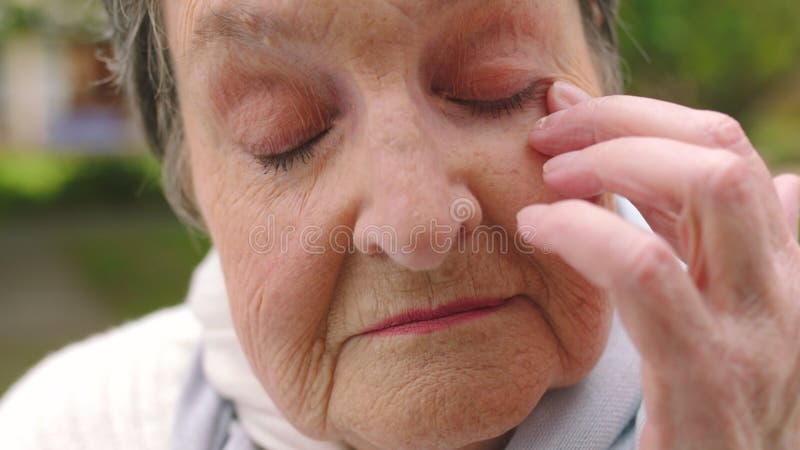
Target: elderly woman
{"points": [[412, 206]]}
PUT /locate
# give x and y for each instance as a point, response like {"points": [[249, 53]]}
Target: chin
{"points": [[448, 389]]}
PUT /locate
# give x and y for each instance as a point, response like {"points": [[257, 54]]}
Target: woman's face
{"points": [[408, 121]]}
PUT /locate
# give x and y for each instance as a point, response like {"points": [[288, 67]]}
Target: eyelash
{"points": [[494, 108], [284, 161]]}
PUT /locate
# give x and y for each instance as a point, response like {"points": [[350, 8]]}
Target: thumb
{"points": [[563, 95]]}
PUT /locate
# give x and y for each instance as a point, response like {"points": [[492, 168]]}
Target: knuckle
{"points": [[732, 180], [725, 131], [597, 130], [651, 262], [597, 104]]}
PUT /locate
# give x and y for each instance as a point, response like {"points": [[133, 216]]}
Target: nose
{"points": [[416, 206]]}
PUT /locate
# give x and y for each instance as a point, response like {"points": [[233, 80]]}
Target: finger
{"points": [[563, 95], [727, 217], [660, 307], [651, 172], [605, 118], [788, 188]]}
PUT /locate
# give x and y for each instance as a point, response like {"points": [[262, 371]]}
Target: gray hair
{"points": [[142, 67]]}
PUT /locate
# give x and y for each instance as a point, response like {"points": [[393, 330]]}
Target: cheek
{"points": [[280, 293], [505, 174], [503, 171], [580, 316]]}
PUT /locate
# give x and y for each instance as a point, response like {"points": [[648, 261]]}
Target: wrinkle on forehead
{"points": [[373, 37], [319, 21]]}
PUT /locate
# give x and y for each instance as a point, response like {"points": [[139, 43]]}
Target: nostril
{"points": [[370, 243], [419, 227], [373, 249]]}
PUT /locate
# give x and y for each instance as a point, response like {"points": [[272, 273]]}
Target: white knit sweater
{"points": [[114, 390]]}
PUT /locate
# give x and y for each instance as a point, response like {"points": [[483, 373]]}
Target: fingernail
{"points": [[561, 162], [548, 122], [530, 214], [528, 222], [566, 94]]}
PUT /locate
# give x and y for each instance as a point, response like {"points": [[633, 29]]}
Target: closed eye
{"points": [[285, 160], [505, 106], [535, 92]]}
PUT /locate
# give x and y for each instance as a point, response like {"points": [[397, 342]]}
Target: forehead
{"points": [[196, 23]]}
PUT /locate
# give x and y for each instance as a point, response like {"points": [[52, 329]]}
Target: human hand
{"points": [[720, 342]]}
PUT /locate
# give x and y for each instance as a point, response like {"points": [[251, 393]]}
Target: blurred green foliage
{"points": [[19, 19], [100, 221], [717, 53], [31, 180], [736, 56], [56, 19], [112, 224], [136, 267], [124, 262]]}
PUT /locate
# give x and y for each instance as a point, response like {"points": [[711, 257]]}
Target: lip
{"points": [[423, 321]]}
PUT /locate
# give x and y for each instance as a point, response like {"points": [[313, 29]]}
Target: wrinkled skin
{"points": [[385, 77], [389, 78]]}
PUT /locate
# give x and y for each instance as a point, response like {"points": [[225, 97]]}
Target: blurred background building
{"points": [[52, 89], [84, 229], [87, 241]]}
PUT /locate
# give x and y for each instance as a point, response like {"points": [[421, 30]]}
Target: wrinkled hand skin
{"points": [[719, 340]]}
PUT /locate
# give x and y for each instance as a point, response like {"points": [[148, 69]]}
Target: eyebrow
{"points": [[246, 26], [239, 25]]}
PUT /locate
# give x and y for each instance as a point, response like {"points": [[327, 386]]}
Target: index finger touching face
{"points": [[578, 121]]}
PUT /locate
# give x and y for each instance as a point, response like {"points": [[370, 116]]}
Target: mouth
{"points": [[423, 321]]}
